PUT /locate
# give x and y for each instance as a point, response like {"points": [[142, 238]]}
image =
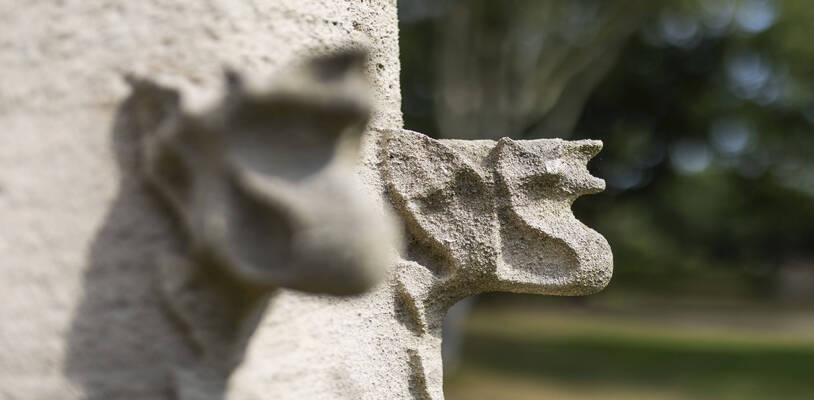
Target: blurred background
{"points": [[706, 109]]}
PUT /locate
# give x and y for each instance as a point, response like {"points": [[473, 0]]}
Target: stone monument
{"points": [[115, 293]]}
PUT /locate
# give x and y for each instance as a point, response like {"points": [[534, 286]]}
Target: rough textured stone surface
{"points": [[264, 185], [264, 189], [82, 233], [478, 216]]}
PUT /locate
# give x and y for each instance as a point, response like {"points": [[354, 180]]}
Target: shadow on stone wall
{"points": [[122, 343]]}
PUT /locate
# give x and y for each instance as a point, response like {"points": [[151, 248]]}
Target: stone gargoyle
{"points": [[482, 216], [478, 216], [256, 179], [264, 191]]}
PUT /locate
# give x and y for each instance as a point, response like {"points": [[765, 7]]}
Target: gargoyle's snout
{"points": [[551, 166], [576, 178], [585, 184], [321, 235]]}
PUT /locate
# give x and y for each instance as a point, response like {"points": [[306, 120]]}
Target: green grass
{"points": [[596, 356]]}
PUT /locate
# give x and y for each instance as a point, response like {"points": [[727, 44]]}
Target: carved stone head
{"points": [[493, 216], [264, 188], [264, 185]]}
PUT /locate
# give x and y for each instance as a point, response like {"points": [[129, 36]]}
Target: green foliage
{"points": [[580, 350]]}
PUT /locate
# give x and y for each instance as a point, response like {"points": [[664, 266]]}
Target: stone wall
{"points": [[80, 234]]}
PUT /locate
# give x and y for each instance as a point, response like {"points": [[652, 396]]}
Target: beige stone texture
{"points": [[479, 216], [82, 235]]}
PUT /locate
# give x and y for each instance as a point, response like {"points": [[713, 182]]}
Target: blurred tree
{"points": [[535, 63], [705, 107]]}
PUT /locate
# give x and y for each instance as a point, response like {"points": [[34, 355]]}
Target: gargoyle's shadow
{"points": [[122, 344]]}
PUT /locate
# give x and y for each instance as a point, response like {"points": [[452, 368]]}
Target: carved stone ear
{"points": [[150, 104], [553, 168], [545, 249], [445, 200], [169, 148]]}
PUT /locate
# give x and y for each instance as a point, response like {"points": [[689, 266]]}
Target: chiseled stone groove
{"points": [[499, 213]]}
